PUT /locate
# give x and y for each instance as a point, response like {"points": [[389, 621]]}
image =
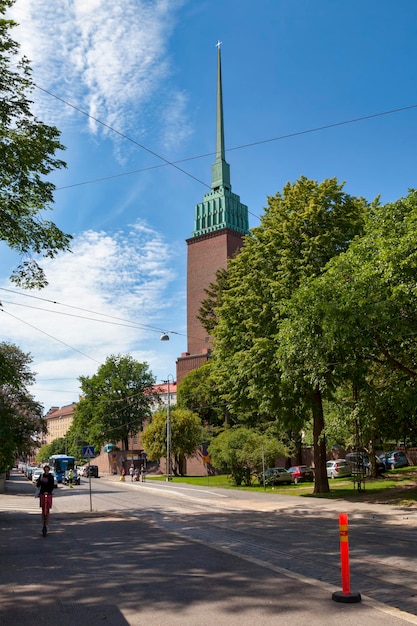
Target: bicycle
{"points": [[46, 505]]}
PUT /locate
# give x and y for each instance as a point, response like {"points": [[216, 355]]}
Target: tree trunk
{"points": [[299, 451], [227, 416], [321, 482]]}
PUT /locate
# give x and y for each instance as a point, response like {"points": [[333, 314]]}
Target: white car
{"points": [[36, 473], [338, 468]]}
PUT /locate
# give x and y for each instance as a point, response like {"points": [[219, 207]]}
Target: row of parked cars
{"points": [[282, 476], [360, 463], [355, 462], [32, 472]]}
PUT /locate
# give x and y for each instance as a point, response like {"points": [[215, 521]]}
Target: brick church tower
{"points": [[220, 223]]}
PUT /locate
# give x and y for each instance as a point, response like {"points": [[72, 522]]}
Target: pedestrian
{"points": [[46, 485], [142, 474], [122, 477], [70, 477], [136, 474], [131, 472]]}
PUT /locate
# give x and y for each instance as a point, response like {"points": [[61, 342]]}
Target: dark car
{"points": [[91, 470], [360, 462], [394, 459], [275, 476], [301, 473]]}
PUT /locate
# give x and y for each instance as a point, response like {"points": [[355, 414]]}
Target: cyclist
{"points": [[46, 484]]}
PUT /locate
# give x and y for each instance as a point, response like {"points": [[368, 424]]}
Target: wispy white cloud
{"points": [[117, 276], [112, 60], [107, 58]]}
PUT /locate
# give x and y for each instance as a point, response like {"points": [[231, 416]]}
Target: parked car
{"points": [[301, 473], [36, 473], [55, 477], [275, 476], [91, 470], [29, 471], [338, 468], [39, 471], [394, 458], [361, 462]]}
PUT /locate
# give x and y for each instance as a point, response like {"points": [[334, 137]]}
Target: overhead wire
{"points": [[128, 323], [49, 335], [137, 143], [174, 164], [123, 135], [207, 154], [52, 336], [82, 317]]}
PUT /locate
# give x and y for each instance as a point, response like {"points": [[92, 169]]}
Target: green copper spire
{"points": [[220, 207], [220, 170]]}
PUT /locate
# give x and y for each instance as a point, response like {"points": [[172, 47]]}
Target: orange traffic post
{"points": [[345, 595]]}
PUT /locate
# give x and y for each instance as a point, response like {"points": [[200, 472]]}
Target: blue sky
{"points": [[147, 69]]}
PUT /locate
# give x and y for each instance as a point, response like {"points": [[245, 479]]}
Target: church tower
{"points": [[220, 223]]}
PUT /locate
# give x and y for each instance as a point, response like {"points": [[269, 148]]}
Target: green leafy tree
{"points": [[28, 150], [186, 435], [21, 421], [43, 453], [57, 446], [355, 325], [371, 289], [240, 451], [302, 229], [75, 442], [199, 393], [116, 401], [207, 312]]}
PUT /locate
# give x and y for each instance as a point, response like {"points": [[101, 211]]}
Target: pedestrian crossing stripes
{"points": [[24, 505]]}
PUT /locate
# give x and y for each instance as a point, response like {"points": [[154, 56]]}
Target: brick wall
{"points": [[206, 254]]}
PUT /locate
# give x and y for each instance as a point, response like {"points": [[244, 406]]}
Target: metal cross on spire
{"points": [[218, 44]]}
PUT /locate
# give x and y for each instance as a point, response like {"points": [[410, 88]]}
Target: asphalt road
{"points": [[173, 554]]}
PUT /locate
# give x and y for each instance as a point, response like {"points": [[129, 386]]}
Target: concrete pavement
{"points": [[108, 567]]}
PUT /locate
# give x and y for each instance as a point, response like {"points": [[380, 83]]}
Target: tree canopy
{"points": [[199, 393], [355, 324], [21, 421], [304, 227], [241, 451], [115, 402], [186, 435], [28, 150], [57, 446]]}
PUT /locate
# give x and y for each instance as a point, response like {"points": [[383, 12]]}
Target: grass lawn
{"points": [[395, 487]]}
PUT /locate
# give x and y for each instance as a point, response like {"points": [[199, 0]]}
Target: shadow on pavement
{"points": [[95, 568]]}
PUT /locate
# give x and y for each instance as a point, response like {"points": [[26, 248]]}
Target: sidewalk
{"points": [[98, 567], [259, 501]]}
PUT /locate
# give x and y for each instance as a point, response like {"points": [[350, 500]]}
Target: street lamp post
{"points": [[169, 437]]}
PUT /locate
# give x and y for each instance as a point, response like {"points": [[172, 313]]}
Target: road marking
{"points": [[24, 507], [375, 604]]}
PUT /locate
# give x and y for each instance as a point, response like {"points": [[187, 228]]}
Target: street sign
{"points": [[88, 452]]}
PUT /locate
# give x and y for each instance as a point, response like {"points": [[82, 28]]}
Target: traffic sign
{"points": [[88, 452]]}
